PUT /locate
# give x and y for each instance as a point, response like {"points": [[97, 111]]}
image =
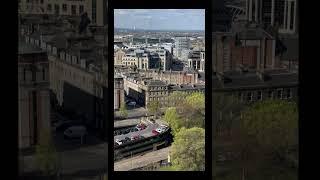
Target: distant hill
{"points": [[151, 30]]}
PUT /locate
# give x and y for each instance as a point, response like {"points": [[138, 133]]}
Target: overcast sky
{"points": [[160, 19]]}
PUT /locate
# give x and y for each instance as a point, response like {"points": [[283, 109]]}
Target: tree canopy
{"points": [[188, 111], [188, 150], [273, 124], [46, 155], [154, 107], [123, 111]]}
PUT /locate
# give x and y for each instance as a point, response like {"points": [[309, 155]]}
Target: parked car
{"points": [[61, 125], [132, 103], [160, 130], [155, 132], [75, 132], [141, 127], [118, 141]]}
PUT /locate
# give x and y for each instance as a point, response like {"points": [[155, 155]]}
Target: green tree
{"points": [[188, 150], [46, 154], [273, 124], [265, 136], [123, 111], [188, 113], [193, 110], [173, 119], [176, 98], [154, 107]]}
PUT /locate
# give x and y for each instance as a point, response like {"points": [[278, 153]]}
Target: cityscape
{"points": [[157, 75], [159, 84]]}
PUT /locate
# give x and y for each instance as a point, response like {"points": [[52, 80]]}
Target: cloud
{"points": [[163, 18], [120, 11]]}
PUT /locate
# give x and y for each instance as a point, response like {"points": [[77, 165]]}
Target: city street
{"points": [[86, 158], [85, 161], [134, 112], [145, 132]]}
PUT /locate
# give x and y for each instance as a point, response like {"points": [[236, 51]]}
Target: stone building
{"points": [[249, 48], [280, 13], [77, 64], [255, 86], [33, 94], [146, 89], [173, 77], [118, 55], [96, 9], [118, 92], [196, 60]]}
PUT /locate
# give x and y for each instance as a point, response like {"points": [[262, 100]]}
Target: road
{"points": [[84, 161], [147, 132], [76, 158], [141, 161], [126, 122], [134, 112]]}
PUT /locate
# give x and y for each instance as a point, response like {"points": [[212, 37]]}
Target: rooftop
{"points": [[271, 78]]}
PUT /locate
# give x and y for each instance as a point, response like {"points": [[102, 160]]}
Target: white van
{"points": [[75, 132]]}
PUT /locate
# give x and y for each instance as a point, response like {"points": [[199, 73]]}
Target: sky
{"points": [[160, 19]]}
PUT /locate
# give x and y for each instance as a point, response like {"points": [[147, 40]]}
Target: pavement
{"points": [[76, 159], [84, 161], [141, 161], [134, 112], [126, 122]]}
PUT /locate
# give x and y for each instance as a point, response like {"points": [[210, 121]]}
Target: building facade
{"points": [[252, 48], [96, 9], [118, 92], [33, 94], [249, 87], [280, 13], [181, 44], [77, 71], [196, 61]]}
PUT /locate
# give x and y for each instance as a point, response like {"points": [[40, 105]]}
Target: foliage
{"points": [[46, 155], [173, 119], [123, 111], [273, 124], [176, 98], [262, 140], [193, 110], [188, 150], [154, 107], [188, 110], [167, 168]]}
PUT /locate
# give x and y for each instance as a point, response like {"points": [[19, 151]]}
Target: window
{"points": [[56, 9], [270, 94], [81, 9], [249, 96], [292, 15], [240, 96], [289, 93], [279, 93], [73, 9], [94, 11], [24, 74], [43, 74], [64, 7], [259, 95]]}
